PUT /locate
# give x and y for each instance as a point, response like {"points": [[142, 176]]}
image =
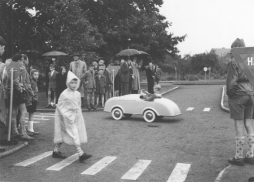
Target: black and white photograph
{"points": [[126, 90]]}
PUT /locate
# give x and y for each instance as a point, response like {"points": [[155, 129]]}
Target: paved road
{"points": [[193, 147]]}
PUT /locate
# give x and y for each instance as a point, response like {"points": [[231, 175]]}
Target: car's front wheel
{"points": [[149, 116], [117, 113]]}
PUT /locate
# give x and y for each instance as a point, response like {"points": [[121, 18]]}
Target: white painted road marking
{"points": [[136, 170], [207, 109], [179, 173], [63, 163], [34, 159], [98, 166], [190, 109]]}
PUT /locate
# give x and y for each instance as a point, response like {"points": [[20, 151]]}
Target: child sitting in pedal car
{"points": [[150, 97]]}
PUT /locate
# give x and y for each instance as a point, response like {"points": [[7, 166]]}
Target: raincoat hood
{"points": [[70, 77], [238, 43]]}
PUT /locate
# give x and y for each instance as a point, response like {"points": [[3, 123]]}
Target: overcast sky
{"points": [[210, 23]]}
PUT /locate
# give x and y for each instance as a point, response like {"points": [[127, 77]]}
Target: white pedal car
{"points": [[132, 104]]}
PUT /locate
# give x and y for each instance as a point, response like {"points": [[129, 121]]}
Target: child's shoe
{"points": [[58, 155], [249, 160], [237, 162], [48, 106], [25, 137], [84, 157]]}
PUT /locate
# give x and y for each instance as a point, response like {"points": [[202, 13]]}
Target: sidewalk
{"points": [[9, 149]]}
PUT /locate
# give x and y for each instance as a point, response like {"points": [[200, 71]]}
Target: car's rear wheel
{"points": [[127, 115], [117, 113], [149, 116]]}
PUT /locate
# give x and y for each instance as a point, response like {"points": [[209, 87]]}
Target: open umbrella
{"points": [[128, 52], [143, 53], [55, 53]]}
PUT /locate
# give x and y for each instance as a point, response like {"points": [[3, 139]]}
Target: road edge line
{"points": [[219, 177], [222, 100], [13, 150]]}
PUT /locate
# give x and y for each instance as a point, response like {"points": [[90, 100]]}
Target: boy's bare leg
{"points": [[49, 98], [22, 109], [30, 128], [102, 100], [54, 98], [88, 99], [97, 98], [92, 100]]}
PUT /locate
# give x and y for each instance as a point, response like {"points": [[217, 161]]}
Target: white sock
{"points": [[31, 126], [79, 150]]}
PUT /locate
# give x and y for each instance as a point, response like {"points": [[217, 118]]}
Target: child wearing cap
{"points": [[240, 94]]}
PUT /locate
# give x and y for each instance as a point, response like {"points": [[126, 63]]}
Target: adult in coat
{"points": [[79, 68], [150, 77], [2, 101], [136, 78], [125, 77], [61, 81]]}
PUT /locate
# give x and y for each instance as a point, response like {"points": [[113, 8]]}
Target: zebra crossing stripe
{"points": [[46, 116], [33, 159], [136, 170], [98, 166], [41, 119], [207, 109], [63, 163], [179, 173], [190, 109]]}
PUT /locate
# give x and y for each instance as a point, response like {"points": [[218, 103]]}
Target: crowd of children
{"points": [[95, 82]]}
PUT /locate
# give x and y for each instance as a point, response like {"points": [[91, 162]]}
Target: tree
{"points": [[59, 25], [199, 61], [134, 24]]}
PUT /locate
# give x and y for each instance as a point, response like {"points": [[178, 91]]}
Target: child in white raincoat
{"points": [[69, 122]]}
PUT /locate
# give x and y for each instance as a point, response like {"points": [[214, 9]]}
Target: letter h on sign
{"points": [[250, 61]]}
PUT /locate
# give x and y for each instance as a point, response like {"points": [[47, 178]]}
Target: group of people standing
{"points": [[25, 95], [97, 81], [127, 80]]}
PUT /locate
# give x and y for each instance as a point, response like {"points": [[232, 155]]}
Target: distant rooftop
{"points": [[220, 51]]}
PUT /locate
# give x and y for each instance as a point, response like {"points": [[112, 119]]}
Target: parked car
{"points": [[133, 104]]}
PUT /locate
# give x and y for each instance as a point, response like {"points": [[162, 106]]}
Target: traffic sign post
{"points": [[205, 70], [11, 68], [209, 69]]}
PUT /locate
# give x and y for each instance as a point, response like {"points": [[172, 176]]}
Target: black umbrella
{"points": [[128, 52]]}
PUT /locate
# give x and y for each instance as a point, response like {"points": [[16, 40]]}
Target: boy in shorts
{"points": [[89, 78], [52, 85], [240, 94]]}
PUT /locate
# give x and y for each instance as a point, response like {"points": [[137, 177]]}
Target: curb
{"points": [[13, 150], [222, 100], [169, 90]]}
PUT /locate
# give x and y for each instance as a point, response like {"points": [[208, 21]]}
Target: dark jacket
{"points": [[89, 78], [125, 73], [100, 84], [52, 80], [237, 83], [61, 82]]}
